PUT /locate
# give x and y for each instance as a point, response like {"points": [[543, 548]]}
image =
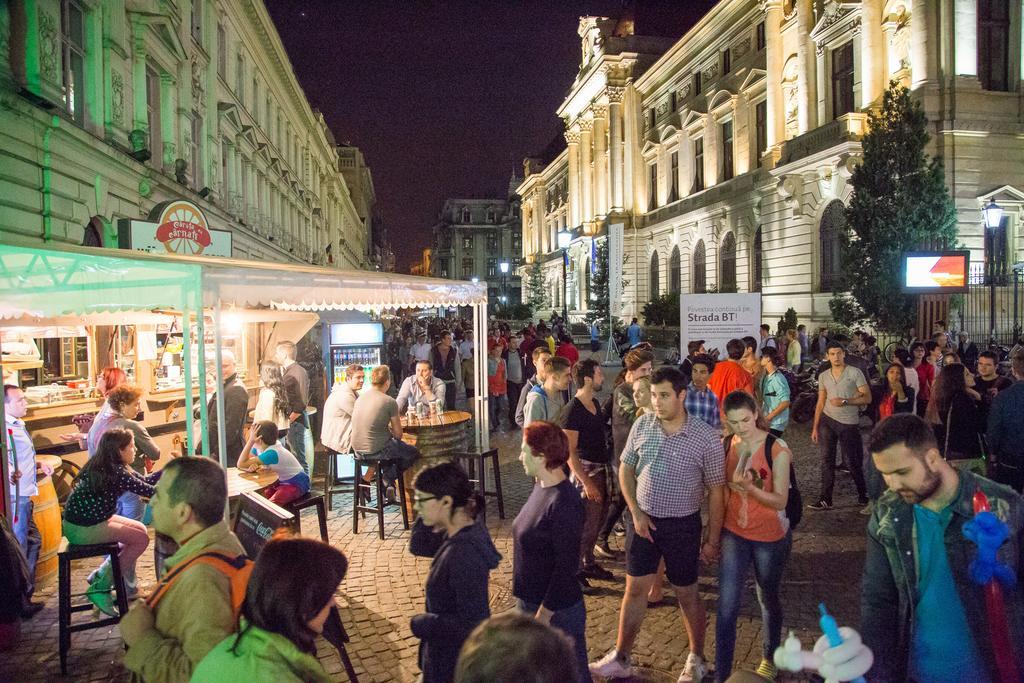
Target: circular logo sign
{"points": [[182, 228]]}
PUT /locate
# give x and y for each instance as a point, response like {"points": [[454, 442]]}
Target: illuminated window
{"points": [[72, 43]]}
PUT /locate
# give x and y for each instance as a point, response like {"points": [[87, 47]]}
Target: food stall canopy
{"points": [[309, 288], [44, 284]]}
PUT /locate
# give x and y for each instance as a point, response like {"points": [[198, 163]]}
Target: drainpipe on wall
{"points": [[47, 188]]}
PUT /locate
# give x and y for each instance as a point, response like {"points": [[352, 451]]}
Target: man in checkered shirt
{"points": [[668, 464], [701, 402]]}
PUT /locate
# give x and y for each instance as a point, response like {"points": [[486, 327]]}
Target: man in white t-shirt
{"points": [[419, 351]]}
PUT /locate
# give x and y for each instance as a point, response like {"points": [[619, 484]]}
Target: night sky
{"points": [[446, 98]]}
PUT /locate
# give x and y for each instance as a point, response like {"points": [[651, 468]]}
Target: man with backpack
{"points": [[195, 605]]}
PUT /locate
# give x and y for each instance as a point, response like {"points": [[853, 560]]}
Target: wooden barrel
{"points": [[46, 513], [436, 440]]}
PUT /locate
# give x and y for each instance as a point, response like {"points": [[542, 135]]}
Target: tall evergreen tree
{"points": [[536, 292], [599, 283], [900, 203]]}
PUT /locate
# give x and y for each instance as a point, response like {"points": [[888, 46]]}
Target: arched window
{"points": [[727, 263], [700, 269], [655, 285], [756, 267], [833, 224], [674, 272]]}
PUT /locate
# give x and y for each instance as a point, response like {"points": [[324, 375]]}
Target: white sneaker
{"points": [[695, 670], [611, 666]]}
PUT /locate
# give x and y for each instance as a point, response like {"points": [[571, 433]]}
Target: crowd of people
{"points": [[690, 464]]}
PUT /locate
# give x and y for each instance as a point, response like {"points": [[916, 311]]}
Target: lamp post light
{"points": [[564, 238], [503, 266], [993, 214]]}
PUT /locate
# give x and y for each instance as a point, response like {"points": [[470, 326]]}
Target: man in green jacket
{"points": [[921, 615], [195, 613]]}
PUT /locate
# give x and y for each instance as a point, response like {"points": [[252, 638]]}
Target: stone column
{"points": [[586, 170], [924, 42], [965, 20], [872, 52], [773, 50], [600, 160], [572, 138], [615, 94], [806, 68]]}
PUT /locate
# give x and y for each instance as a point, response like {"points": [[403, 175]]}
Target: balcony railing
{"points": [[847, 128]]}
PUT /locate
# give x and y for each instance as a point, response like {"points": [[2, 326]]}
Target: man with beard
{"points": [[921, 615]]}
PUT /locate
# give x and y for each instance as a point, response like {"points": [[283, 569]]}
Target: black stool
{"points": [[307, 501], [480, 459], [358, 485], [332, 484], [65, 554]]}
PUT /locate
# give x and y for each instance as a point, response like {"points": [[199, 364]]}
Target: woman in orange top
{"points": [[497, 387], [755, 531]]}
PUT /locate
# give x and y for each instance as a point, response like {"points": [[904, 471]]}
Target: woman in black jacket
{"points": [[464, 555], [953, 413]]}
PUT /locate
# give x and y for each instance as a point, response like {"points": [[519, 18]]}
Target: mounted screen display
{"points": [[935, 272]]}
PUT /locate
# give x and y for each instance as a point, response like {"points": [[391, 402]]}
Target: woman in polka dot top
{"points": [[89, 516]]}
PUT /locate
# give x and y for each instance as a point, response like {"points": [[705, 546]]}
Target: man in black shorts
{"points": [[667, 465]]}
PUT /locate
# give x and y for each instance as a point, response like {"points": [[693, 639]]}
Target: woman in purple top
{"points": [[89, 516]]}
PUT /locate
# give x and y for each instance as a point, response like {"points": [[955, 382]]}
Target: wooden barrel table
{"points": [[46, 515], [436, 437]]}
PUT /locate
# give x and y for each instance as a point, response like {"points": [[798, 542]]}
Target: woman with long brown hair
{"points": [[953, 413]]}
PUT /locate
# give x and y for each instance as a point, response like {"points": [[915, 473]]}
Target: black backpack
{"points": [[795, 502]]}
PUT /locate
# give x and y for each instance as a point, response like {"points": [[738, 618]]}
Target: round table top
{"points": [[448, 417], [54, 461], [240, 482]]}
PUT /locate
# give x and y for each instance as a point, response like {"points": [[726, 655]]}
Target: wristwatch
{"points": [[846, 401]]}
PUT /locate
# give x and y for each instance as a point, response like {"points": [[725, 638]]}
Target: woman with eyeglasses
{"points": [[449, 531]]}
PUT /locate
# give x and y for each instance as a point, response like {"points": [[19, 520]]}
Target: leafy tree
{"points": [[899, 204], [536, 292], [788, 321], [662, 310]]}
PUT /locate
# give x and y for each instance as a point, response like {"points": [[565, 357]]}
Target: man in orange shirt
{"points": [[729, 375]]}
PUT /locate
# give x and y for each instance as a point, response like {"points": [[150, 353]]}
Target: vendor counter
{"points": [[164, 416]]}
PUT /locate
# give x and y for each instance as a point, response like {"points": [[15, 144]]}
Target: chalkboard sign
{"points": [[257, 521]]}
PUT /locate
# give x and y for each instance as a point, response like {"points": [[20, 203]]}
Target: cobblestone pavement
{"points": [[384, 588]]}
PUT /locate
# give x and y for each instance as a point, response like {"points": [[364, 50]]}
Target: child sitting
{"points": [[263, 450]]}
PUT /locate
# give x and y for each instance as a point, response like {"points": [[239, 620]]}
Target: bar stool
{"points": [[66, 553], [480, 459], [358, 485], [332, 484], [307, 501]]}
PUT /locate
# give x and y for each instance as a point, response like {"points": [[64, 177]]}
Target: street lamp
{"points": [[503, 266], [564, 238], [993, 214]]}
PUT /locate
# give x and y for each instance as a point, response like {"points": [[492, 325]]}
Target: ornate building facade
{"points": [[727, 155], [473, 238], [110, 108]]}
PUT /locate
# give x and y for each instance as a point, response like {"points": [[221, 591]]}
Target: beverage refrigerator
{"points": [[361, 343]]}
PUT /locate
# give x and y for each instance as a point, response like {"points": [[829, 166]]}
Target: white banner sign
{"points": [[717, 318], [616, 249]]}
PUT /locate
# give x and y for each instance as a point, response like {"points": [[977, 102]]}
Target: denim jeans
{"points": [[130, 505], [29, 539], [297, 440], [497, 405], [573, 622], [769, 560]]}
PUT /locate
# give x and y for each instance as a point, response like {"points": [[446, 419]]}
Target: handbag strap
{"points": [[949, 421]]}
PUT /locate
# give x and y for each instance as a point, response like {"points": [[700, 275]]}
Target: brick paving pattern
{"points": [[384, 589]]}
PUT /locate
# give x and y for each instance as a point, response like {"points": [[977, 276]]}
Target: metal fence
{"points": [[993, 307]]}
